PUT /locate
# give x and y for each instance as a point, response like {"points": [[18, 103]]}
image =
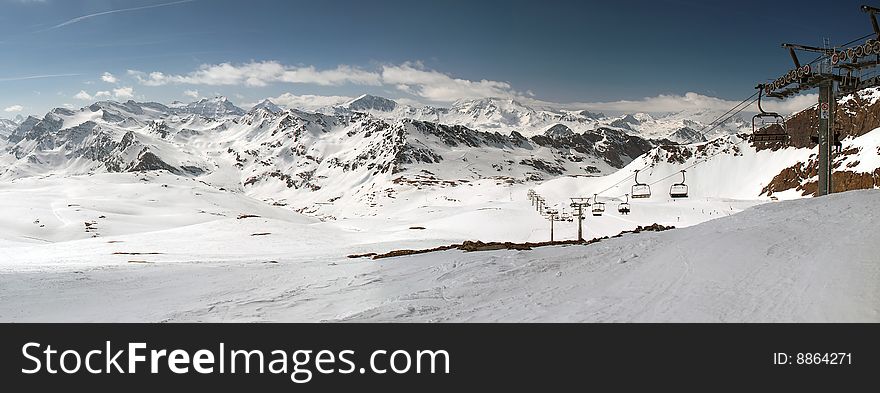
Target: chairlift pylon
{"points": [[771, 121], [640, 190], [679, 190]]}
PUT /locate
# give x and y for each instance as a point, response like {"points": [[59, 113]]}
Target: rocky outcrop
{"points": [[856, 115]]}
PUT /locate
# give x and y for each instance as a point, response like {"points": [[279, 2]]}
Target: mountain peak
{"points": [[367, 102], [491, 104], [591, 115], [559, 131], [268, 105], [215, 99], [214, 107], [630, 119]]}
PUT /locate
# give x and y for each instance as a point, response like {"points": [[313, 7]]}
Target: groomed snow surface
{"points": [[159, 247]]}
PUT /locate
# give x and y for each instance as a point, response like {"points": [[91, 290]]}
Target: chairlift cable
{"points": [[711, 123]]}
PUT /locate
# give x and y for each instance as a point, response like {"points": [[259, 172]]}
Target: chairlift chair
{"points": [[598, 207], [640, 190], [566, 216], [771, 124], [623, 208], [679, 190]]}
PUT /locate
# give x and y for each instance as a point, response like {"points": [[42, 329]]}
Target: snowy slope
{"points": [[766, 264], [728, 167], [59, 209]]}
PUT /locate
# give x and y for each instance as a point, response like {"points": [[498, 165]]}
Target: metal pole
{"points": [[826, 136], [580, 224], [579, 204], [552, 220]]}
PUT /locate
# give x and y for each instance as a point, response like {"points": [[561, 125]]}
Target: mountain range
{"points": [[508, 115], [302, 158], [353, 155]]}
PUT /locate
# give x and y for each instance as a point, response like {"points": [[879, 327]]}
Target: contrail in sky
{"points": [[84, 17], [24, 78]]}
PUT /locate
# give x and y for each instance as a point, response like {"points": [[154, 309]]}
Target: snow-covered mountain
{"points": [[267, 105], [351, 161], [7, 126], [506, 116], [217, 107], [301, 158], [734, 167], [367, 103]]}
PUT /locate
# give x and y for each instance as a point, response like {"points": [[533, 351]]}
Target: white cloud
{"points": [[409, 101], [82, 95], [425, 85], [260, 74], [101, 94], [109, 78], [662, 103], [307, 102], [191, 93], [665, 103], [413, 78], [14, 108], [123, 92], [790, 105]]}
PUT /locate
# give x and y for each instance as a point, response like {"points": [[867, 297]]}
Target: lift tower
{"points": [[806, 77], [553, 216], [579, 204], [837, 72], [827, 108]]}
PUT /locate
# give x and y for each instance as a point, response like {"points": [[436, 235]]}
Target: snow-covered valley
{"points": [[770, 263]]}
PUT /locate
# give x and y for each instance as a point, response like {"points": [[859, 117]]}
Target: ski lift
{"points": [[771, 124], [565, 216], [598, 207], [640, 190], [679, 190], [623, 208]]}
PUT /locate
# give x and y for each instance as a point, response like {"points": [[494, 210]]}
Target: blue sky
{"points": [[651, 55]]}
